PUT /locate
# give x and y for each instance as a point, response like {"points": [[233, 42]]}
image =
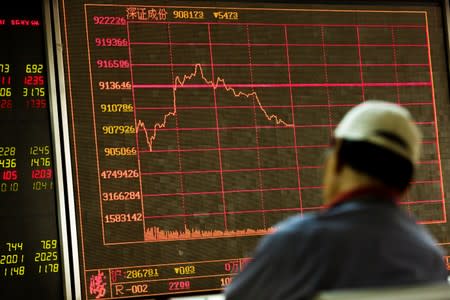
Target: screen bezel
{"points": [[60, 127]]}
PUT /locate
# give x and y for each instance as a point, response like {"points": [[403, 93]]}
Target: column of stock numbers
{"points": [[24, 163], [29, 250], [9, 177], [120, 193]]}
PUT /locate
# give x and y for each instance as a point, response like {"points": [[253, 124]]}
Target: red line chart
{"points": [[219, 82], [231, 118]]}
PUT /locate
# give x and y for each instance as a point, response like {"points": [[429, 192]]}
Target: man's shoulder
{"points": [[326, 224], [290, 237], [296, 226]]}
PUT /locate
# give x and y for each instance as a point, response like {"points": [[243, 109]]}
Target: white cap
{"points": [[384, 124]]}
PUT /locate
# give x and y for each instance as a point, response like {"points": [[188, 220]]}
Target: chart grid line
{"points": [[219, 152], [320, 207], [278, 45], [282, 65], [291, 99], [278, 106], [361, 76], [289, 85], [282, 24], [136, 137], [180, 168], [251, 148], [430, 69], [258, 156]]}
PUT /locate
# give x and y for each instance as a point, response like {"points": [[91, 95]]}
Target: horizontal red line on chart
{"points": [[242, 170], [282, 24], [238, 191], [270, 106], [247, 148], [275, 44], [276, 85], [420, 202], [179, 278], [282, 65], [427, 162], [256, 211], [234, 148], [232, 212], [229, 191], [241, 127], [426, 181], [256, 127], [132, 266], [434, 221], [227, 171]]}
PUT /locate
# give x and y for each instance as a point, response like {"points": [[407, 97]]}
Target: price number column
{"points": [[9, 175], [12, 259], [5, 87], [115, 129], [8, 161]]}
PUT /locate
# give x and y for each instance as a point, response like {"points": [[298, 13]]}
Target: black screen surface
{"points": [[195, 127], [29, 247]]}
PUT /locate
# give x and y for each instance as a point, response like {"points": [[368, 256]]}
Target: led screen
{"points": [[197, 126]]}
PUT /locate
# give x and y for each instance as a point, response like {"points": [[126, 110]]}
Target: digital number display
{"points": [[29, 246], [195, 129]]}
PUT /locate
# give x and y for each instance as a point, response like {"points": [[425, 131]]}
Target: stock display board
{"points": [[29, 250], [196, 128]]}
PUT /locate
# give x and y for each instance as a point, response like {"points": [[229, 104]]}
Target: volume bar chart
{"points": [[212, 122]]}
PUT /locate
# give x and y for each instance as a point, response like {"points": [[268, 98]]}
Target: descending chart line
{"points": [[219, 82]]}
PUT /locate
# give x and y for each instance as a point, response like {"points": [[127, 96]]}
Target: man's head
{"points": [[376, 143]]}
